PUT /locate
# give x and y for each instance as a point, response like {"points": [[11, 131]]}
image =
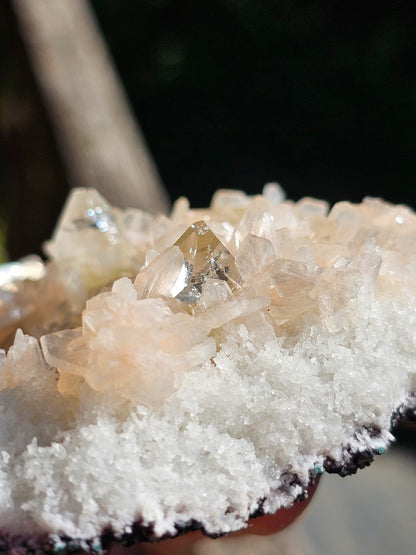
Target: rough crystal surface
{"points": [[194, 365], [139, 348]]}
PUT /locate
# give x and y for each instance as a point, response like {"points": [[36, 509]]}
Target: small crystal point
{"points": [[207, 258], [86, 209], [189, 295], [89, 239]]}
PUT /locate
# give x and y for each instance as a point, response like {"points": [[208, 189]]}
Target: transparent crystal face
{"points": [[88, 210], [206, 258], [100, 218]]}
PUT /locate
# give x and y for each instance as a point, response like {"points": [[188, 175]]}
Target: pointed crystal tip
{"points": [[206, 258]]}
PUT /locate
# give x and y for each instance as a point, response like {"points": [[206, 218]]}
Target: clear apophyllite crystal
{"points": [[197, 258], [206, 258]]}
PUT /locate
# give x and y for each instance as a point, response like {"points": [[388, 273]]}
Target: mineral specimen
{"points": [[198, 368]]}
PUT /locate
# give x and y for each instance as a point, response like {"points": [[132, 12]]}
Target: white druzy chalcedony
{"points": [[221, 358]]}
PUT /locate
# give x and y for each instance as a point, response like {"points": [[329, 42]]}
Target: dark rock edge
{"points": [[43, 545]]}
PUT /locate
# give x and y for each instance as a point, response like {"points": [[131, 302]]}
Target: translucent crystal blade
{"points": [[66, 350], [164, 276], [257, 220], [254, 255]]}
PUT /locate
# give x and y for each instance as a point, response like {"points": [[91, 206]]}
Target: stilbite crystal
{"points": [[140, 348]]}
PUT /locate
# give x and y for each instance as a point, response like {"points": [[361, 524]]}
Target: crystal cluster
{"points": [[191, 366]]}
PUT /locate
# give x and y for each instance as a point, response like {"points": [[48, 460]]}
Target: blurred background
{"points": [[319, 96]]}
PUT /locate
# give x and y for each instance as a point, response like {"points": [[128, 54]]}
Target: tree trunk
{"points": [[100, 144]]}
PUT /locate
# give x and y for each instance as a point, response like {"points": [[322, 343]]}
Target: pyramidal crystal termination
{"points": [[192, 368]]}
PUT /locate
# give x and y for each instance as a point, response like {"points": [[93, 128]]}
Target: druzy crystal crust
{"points": [[199, 367]]}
